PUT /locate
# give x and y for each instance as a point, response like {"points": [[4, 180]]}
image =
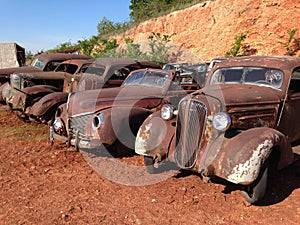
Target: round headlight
{"points": [[221, 121], [97, 121], [167, 112], [58, 126]]}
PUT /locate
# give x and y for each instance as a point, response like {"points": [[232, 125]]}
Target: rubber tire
{"points": [[256, 190]]}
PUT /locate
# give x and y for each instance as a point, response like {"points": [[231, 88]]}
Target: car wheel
{"points": [[256, 190], [22, 116]]}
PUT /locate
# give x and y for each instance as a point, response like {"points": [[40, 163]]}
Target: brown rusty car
{"points": [[106, 117], [43, 62], [27, 88], [243, 124], [102, 73]]}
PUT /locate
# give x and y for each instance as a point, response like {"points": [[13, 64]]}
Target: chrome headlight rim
{"points": [[221, 121], [58, 126], [97, 121], [167, 112]]}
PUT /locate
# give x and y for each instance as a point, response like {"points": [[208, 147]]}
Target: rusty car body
{"points": [[66, 70], [43, 62], [101, 73], [96, 118], [240, 125], [27, 88]]}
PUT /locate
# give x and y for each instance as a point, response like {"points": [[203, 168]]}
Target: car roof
{"points": [[276, 62], [61, 56], [122, 61]]}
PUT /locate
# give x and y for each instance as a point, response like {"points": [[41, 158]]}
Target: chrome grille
{"points": [[15, 82], [77, 125], [189, 131]]}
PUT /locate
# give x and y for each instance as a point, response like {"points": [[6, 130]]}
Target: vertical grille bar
{"points": [[77, 124], [189, 131]]}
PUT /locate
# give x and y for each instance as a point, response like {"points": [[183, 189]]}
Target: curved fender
{"points": [[154, 136], [5, 92], [33, 92], [120, 123], [45, 103], [240, 158]]}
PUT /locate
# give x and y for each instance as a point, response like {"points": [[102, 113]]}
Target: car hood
{"points": [[241, 94], [51, 75], [8, 71], [95, 100]]}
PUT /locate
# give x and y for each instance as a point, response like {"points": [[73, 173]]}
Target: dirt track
{"points": [[40, 184]]}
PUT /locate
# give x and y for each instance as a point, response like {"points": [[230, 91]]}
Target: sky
{"points": [[42, 25]]}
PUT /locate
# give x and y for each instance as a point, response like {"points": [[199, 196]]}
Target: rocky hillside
{"points": [[208, 29]]}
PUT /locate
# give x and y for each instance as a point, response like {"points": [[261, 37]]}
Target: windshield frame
{"points": [[144, 77], [253, 75], [38, 63]]}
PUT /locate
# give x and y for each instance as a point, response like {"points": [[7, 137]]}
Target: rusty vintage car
{"points": [[39, 103], [27, 88], [45, 80], [240, 127], [107, 117], [42, 62]]}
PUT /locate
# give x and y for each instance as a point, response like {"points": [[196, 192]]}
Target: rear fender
{"points": [[240, 158], [46, 103], [155, 136]]}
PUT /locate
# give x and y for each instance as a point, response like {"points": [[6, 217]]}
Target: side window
{"points": [[295, 82], [52, 65]]}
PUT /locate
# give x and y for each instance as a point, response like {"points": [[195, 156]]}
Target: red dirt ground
{"points": [[40, 184]]}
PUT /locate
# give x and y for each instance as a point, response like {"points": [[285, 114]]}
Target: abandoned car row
{"points": [[237, 122]]}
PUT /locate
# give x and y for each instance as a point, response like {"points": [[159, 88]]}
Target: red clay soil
{"points": [[208, 29], [40, 184]]}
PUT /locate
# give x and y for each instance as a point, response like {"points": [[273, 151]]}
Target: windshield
{"points": [[38, 63], [69, 68], [147, 78], [248, 75]]}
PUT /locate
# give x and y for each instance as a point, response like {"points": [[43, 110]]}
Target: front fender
{"points": [[154, 136], [29, 95], [241, 157], [5, 92], [120, 123], [42, 106]]}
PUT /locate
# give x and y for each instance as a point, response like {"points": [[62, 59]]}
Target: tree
{"points": [[293, 44]]}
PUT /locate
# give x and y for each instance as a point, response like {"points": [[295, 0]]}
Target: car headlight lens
{"points": [[221, 121], [167, 112], [97, 121], [58, 126]]}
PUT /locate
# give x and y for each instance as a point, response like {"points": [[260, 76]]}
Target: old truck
{"points": [[243, 125]]}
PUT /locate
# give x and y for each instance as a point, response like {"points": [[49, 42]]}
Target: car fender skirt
{"points": [[241, 157], [154, 136]]}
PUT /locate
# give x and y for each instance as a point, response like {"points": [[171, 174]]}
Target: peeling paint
{"points": [[141, 142], [249, 170]]}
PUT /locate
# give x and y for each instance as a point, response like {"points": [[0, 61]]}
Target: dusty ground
{"points": [[40, 184]]}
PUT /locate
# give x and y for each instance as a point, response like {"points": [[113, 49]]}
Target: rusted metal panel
{"points": [[45, 103], [154, 136]]}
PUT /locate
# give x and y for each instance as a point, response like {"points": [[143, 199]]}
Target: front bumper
{"points": [[73, 141]]}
